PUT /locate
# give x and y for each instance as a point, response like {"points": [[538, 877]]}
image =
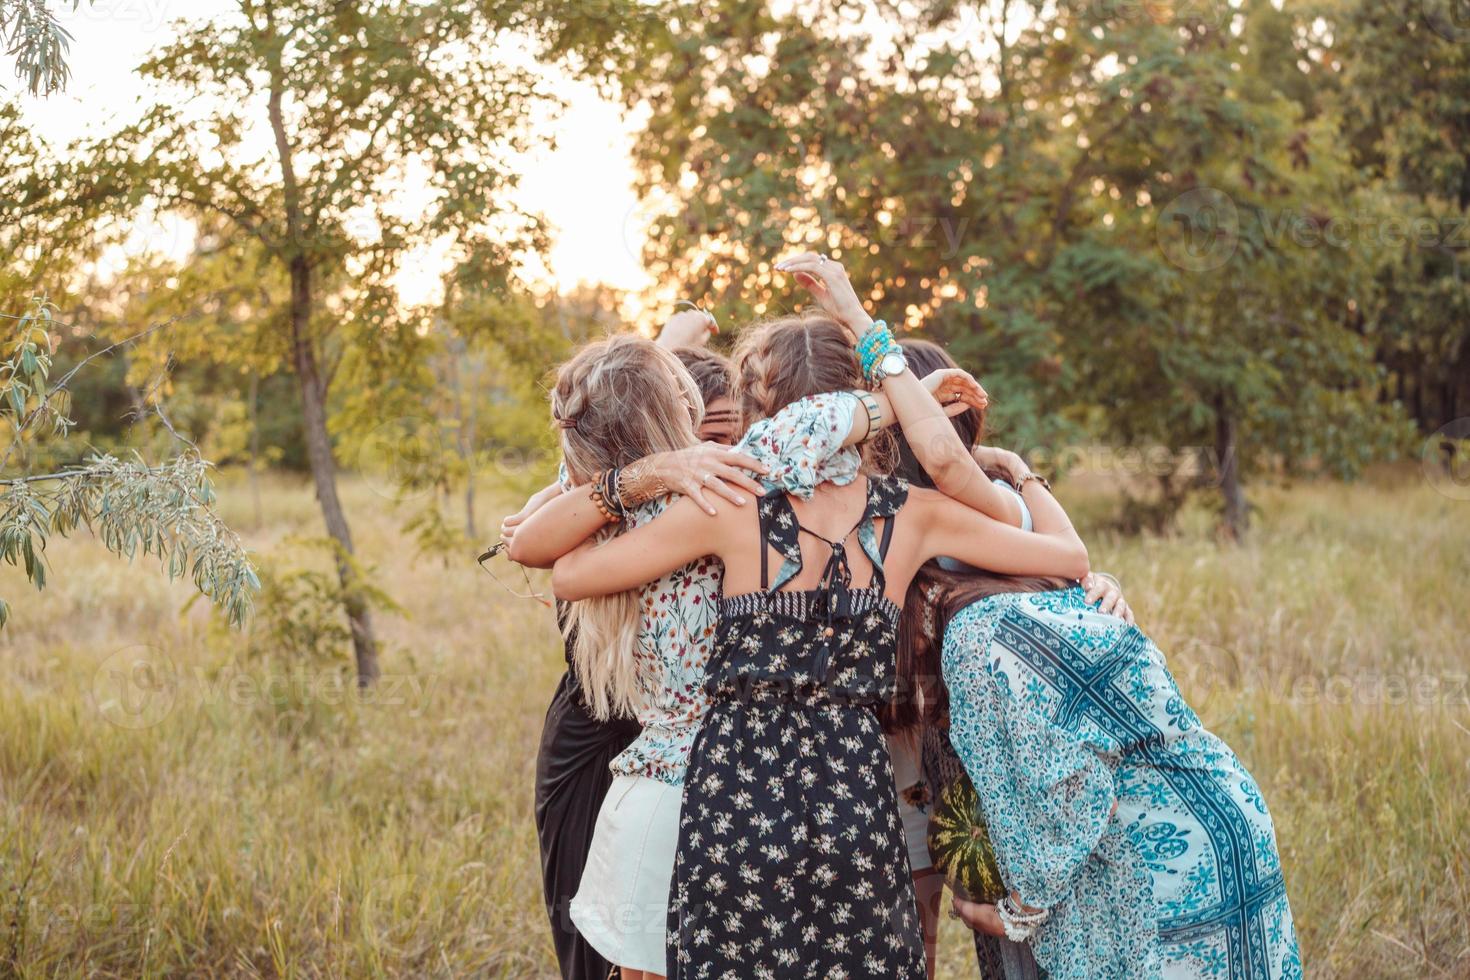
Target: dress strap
{"points": [[779, 530], [782, 531], [765, 547], [886, 497], [888, 523]]}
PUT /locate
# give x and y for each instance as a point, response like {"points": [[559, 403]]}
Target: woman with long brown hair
{"points": [[923, 763], [1117, 819]]}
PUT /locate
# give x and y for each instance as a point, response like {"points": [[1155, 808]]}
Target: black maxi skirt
{"points": [[572, 778]]}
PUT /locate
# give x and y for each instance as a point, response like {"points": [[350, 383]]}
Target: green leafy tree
{"points": [[892, 149], [307, 120], [1038, 185], [48, 487], [1398, 80], [1208, 270]]}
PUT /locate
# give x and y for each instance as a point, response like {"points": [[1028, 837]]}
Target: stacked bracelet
{"points": [[612, 491], [875, 345], [637, 484], [605, 495], [1021, 483], [1019, 925]]}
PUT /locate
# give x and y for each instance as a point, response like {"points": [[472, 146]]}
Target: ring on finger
{"points": [[706, 478], [821, 259]]}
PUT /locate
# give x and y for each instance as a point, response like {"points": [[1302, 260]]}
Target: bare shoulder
{"points": [[917, 515], [730, 522], [924, 498]]}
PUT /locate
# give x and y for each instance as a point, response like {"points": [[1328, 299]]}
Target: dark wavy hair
{"points": [[936, 595], [712, 372]]}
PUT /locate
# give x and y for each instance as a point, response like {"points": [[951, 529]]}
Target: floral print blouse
{"points": [[802, 446]]}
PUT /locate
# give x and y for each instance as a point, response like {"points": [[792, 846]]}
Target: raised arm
{"points": [[938, 449], [671, 540], [933, 439]]}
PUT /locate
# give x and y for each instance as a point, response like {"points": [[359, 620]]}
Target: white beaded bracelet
{"points": [[1019, 926]]}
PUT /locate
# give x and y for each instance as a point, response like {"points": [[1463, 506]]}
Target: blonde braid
{"points": [[616, 401], [756, 375]]}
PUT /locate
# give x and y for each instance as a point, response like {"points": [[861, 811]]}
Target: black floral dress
{"points": [[791, 859]]}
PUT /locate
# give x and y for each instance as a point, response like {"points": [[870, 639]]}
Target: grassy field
{"points": [[177, 801]]}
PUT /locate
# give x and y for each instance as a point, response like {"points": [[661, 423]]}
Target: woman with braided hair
{"points": [[790, 860], [577, 745]]}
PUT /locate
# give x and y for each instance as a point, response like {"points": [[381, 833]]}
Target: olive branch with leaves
{"points": [[39, 44], [165, 510]]}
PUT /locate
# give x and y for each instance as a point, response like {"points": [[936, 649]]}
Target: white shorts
{"points": [[622, 904]]}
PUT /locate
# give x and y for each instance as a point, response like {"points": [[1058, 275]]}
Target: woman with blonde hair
{"points": [[577, 746], [790, 856]]}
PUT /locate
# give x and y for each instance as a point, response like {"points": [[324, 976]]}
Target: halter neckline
{"points": [[833, 599]]}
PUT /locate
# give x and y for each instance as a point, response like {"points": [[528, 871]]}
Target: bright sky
{"points": [[583, 187]]}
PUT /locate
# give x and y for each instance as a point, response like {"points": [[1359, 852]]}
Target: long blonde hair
{"points": [[616, 401]]}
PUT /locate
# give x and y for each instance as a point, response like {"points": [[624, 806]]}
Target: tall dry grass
{"points": [[175, 801]]}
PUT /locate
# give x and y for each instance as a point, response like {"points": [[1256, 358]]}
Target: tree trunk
{"points": [[324, 471], [309, 377], [1237, 511], [469, 506]]}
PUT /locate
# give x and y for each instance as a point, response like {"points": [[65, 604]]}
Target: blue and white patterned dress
{"points": [[1043, 687]]}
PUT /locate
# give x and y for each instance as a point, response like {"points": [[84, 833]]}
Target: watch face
{"points": [[893, 363]]}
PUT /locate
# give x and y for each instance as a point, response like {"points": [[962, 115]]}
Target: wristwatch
{"points": [[893, 363]]}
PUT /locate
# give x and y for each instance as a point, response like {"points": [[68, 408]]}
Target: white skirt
{"points": [[908, 776], [622, 904]]}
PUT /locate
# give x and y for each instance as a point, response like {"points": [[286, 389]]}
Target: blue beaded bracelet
{"points": [[878, 331], [876, 338], [876, 344]]}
